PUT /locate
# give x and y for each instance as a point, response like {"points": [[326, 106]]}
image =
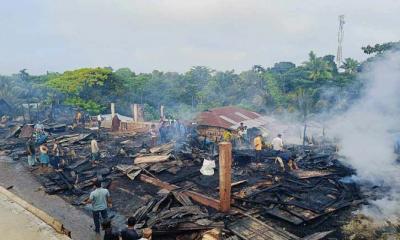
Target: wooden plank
{"points": [[151, 159], [163, 148], [284, 215], [203, 199], [225, 178], [236, 183], [198, 197], [304, 174]]}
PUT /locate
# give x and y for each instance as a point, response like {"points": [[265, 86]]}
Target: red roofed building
{"points": [[213, 122]]}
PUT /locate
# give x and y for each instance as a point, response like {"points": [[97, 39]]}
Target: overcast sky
{"points": [[173, 35]]}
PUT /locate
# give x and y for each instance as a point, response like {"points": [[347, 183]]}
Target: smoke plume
{"points": [[366, 133]]}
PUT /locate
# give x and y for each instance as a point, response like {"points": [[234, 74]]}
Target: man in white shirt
{"points": [[99, 119], [277, 143], [95, 150]]}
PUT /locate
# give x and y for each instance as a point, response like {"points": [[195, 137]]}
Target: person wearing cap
{"points": [[130, 233]]}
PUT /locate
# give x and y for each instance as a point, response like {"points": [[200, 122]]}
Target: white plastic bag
{"points": [[208, 167]]}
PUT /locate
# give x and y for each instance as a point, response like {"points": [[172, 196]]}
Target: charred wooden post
{"points": [[198, 197], [225, 167]]}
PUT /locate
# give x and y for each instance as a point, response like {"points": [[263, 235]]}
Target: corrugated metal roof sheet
{"points": [[107, 117], [227, 117]]}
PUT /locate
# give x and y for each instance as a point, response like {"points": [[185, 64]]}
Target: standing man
{"points": [[100, 199], [115, 123], [130, 233], [277, 143], [57, 155], [240, 131], [227, 135], [30, 147], [99, 119], [163, 132], [258, 147], [245, 136], [94, 147], [78, 117], [153, 135]]}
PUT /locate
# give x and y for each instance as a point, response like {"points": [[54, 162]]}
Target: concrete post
{"points": [[112, 110], [135, 113], [225, 168], [162, 112]]}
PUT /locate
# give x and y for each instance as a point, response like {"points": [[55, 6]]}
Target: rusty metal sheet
{"points": [[251, 229]]}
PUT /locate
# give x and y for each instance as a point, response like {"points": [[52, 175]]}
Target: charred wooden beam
{"points": [[198, 197]]}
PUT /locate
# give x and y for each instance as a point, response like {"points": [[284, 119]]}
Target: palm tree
{"points": [[318, 69], [350, 65]]}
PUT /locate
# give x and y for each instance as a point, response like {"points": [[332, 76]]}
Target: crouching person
{"points": [[100, 200], [286, 158]]}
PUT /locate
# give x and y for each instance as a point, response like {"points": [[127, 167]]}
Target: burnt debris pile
{"points": [[165, 188]]}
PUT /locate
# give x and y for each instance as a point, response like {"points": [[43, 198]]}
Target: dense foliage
{"points": [[312, 87]]}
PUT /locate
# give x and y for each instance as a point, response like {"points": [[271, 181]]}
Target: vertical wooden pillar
{"points": [[225, 167], [112, 110]]}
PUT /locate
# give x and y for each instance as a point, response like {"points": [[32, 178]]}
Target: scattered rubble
{"points": [[268, 203]]}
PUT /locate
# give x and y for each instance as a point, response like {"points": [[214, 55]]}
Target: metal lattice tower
{"points": [[339, 55]]}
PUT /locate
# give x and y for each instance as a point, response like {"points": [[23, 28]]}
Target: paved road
{"points": [[17, 223], [25, 186]]}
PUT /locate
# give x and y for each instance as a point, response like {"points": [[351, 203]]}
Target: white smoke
{"points": [[366, 133]]}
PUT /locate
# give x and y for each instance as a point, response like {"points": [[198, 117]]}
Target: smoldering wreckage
{"points": [[165, 186]]}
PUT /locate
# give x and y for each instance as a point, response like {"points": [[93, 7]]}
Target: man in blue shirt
{"points": [[100, 199]]}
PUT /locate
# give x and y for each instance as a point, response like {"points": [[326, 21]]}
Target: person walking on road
{"points": [[100, 199]]}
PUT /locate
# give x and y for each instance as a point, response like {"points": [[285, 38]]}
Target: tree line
{"points": [[317, 85]]}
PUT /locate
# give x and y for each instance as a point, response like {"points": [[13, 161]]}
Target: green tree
{"points": [[350, 65], [380, 48], [88, 88], [318, 69]]}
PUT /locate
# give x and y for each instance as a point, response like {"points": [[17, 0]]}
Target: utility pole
{"points": [[339, 56]]}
